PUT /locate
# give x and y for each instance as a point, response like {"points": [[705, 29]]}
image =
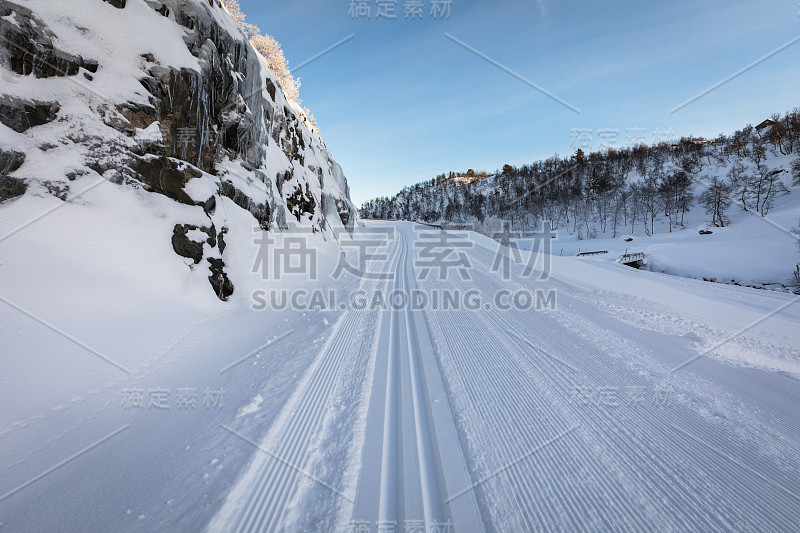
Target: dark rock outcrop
{"points": [[21, 115], [29, 46], [280, 178], [221, 240], [301, 202], [214, 109], [168, 177], [261, 212], [223, 287], [271, 89], [186, 247], [135, 115], [344, 210], [11, 188], [10, 161], [119, 4]]}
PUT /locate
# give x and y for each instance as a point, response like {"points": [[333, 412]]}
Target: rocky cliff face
{"points": [[165, 96]]}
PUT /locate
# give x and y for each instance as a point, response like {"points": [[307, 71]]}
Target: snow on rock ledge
{"points": [[166, 96]]}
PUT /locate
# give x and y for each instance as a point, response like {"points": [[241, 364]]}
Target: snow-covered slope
{"points": [[144, 147], [627, 200], [150, 120]]}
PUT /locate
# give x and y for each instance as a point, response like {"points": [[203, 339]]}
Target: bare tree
{"points": [[651, 202], [716, 200], [773, 186], [739, 179], [797, 266]]}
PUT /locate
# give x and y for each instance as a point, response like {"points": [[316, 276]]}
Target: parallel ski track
{"points": [[539, 463], [656, 447], [294, 431], [405, 349], [519, 399], [391, 505]]}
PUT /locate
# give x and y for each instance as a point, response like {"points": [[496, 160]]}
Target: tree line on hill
{"points": [[614, 191]]}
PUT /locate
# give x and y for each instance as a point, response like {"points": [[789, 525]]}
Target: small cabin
{"points": [[766, 124]]}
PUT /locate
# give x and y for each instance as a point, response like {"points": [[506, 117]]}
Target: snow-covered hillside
{"points": [[170, 144], [742, 191], [144, 149]]}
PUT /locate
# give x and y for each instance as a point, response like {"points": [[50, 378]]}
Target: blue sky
{"points": [[400, 102]]}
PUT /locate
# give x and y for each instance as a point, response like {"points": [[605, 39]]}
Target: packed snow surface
{"points": [[641, 402]]}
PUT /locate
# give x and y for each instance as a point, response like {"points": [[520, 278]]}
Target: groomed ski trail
{"points": [[470, 420], [421, 459], [259, 500]]}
